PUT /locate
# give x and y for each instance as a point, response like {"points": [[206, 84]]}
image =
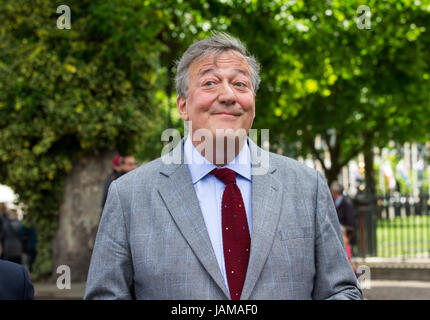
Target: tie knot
{"points": [[225, 175]]}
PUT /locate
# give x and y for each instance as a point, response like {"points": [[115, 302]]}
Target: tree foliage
{"points": [[65, 93], [353, 87]]}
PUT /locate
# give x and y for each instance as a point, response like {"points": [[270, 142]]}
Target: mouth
{"points": [[226, 114]]}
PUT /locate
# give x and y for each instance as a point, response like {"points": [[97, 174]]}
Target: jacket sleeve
{"points": [[111, 271], [334, 278]]}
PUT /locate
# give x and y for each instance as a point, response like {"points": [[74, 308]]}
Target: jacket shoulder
{"points": [[294, 170], [138, 181], [147, 171], [11, 269], [14, 282]]}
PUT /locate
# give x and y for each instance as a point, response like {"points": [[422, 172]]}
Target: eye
{"points": [[240, 84], [208, 83]]}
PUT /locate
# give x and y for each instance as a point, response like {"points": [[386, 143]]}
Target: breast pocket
{"points": [[297, 243], [295, 233]]}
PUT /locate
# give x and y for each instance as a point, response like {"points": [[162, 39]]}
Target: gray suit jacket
{"points": [[152, 241]]}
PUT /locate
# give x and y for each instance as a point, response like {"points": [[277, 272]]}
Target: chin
{"points": [[229, 131]]}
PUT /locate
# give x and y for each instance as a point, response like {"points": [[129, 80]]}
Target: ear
{"points": [[181, 104]]}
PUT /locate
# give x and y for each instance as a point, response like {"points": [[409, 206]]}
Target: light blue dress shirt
{"points": [[209, 192], [338, 201]]}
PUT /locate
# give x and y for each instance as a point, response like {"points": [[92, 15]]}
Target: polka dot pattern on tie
{"points": [[235, 235]]}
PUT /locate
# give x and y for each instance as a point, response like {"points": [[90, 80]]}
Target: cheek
{"points": [[247, 103], [200, 103], [206, 101]]}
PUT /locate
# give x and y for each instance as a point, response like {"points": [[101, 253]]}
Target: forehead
{"points": [[225, 60]]}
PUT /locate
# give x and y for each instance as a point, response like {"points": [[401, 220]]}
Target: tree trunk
{"points": [[80, 214], [370, 191], [368, 167], [332, 174]]}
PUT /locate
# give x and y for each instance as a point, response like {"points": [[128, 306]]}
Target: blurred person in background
{"points": [[346, 214], [348, 247], [116, 172], [120, 165], [3, 209], [12, 244], [28, 236], [127, 164]]}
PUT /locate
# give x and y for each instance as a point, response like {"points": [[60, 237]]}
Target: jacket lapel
{"points": [[177, 190], [266, 208]]}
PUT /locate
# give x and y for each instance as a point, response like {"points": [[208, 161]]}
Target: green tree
{"points": [[70, 99], [323, 75]]}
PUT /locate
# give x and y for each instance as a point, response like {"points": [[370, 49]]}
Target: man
{"points": [[15, 283], [206, 229], [12, 243], [29, 239], [116, 172], [120, 166], [127, 164], [345, 212], [3, 209]]}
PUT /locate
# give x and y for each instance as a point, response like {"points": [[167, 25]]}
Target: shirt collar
{"points": [[199, 166], [338, 201]]}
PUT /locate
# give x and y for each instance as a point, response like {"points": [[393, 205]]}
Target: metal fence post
{"points": [[367, 220]]}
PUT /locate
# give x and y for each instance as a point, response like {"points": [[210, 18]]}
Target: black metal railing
{"points": [[398, 227], [403, 227]]}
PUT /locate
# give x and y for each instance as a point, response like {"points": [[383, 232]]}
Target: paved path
{"points": [[45, 291], [379, 290], [397, 290]]}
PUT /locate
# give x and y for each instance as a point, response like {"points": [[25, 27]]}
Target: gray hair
{"points": [[218, 43], [336, 187]]}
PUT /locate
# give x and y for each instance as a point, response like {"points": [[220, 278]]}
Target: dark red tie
{"points": [[235, 232]]}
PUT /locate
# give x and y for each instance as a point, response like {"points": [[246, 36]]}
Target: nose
{"points": [[226, 94]]}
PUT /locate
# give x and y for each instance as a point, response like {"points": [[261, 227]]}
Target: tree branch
{"points": [[316, 152]]}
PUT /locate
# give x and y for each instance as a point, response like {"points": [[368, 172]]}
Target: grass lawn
{"points": [[403, 236]]}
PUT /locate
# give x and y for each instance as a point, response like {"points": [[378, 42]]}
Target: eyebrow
{"points": [[206, 71]]}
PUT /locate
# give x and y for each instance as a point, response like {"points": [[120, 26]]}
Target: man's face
{"points": [[220, 96], [334, 194], [129, 164], [13, 215]]}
